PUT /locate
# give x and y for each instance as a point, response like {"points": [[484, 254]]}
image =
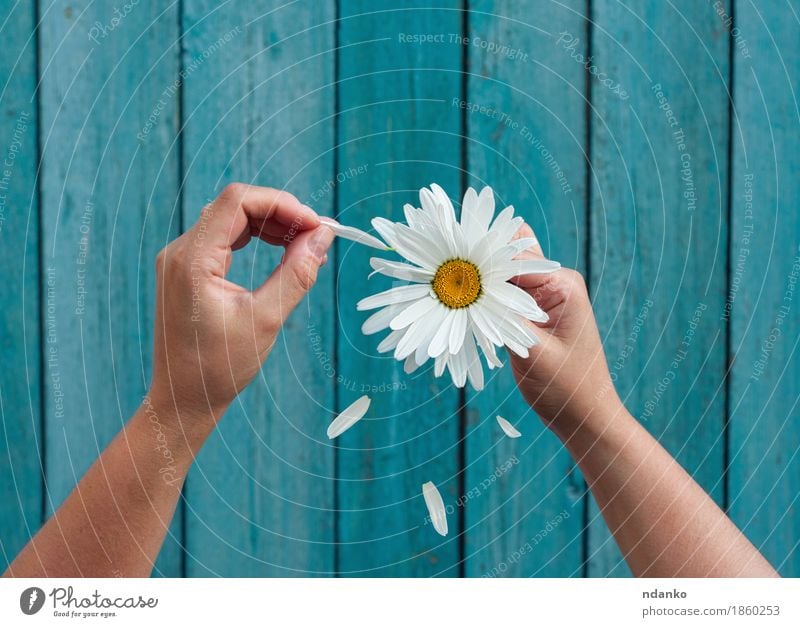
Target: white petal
{"points": [[445, 202], [401, 294], [483, 321], [402, 271], [354, 234], [474, 366], [435, 505], [508, 428], [413, 313], [435, 320], [515, 298], [523, 243], [349, 417], [441, 338], [410, 211], [385, 229], [418, 248], [439, 365], [381, 319], [485, 208], [469, 217], [518, 267], [458, 330], [487, 347], [415, 334], [458, 368], [389, 343], [409, 365]]}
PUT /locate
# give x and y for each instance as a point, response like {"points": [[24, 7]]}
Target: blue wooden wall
{"points": [[654, 146]]}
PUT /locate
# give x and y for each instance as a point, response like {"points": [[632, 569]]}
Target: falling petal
{"points": [[354, 234], [349, 417], [433, 500], [508, 428]]}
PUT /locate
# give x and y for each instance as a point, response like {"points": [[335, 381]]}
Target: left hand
{"points": [[212, 336]]}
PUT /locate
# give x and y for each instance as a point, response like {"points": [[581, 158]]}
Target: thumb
{"points": [[296, 274]]}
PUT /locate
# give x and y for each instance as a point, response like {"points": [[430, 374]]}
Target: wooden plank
{"points": [[259, 108], [764, 476], [659, 228], [20, 344], [107, 198], [523, 499], [398, 128]]}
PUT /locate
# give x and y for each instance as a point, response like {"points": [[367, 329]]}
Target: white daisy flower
{"points": [[458, 298]]}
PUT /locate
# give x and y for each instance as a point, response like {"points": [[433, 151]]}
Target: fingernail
{"points": [[320, 242], [324, 260]]}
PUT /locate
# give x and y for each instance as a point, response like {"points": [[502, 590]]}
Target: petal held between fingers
{"points": [[353, 234]]}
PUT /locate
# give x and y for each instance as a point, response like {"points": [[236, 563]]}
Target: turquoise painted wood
{"points": [[259, 108], [671, 182], [20, 341], [107, 201], [764, 299], [396, 123], [529, 142], [659, 228]]}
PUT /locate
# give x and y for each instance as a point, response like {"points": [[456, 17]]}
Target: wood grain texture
{"points": [[258, 108], [397, 124], [764, 297], [108, 191], [20, 340], [659, 228], [523, 499]]}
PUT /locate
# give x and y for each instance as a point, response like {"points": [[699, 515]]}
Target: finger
{"points": [[243, 210], [295, 275], [530, 281], [536, 250]]}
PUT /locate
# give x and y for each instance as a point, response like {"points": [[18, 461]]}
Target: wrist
{"points": [[588, 420], [185, 428]]}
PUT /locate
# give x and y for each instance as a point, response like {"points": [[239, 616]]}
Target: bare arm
{"points": [[662, 520], [211, 338]]}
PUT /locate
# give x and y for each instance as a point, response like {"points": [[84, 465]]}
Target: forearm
{"points": [[115, 520], [662, 520]]}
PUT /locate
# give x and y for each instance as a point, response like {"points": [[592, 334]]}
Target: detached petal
{"points": [[508, 428], [349, 417], [435, 505]]}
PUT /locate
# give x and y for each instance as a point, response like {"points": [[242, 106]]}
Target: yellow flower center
{"points": [[457, 283]]}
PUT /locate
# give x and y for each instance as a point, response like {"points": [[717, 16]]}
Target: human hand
{"points": [[565, 378], [211, 335]]}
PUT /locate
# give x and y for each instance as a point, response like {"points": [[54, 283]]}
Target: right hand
{"points": [[565, 378]]}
